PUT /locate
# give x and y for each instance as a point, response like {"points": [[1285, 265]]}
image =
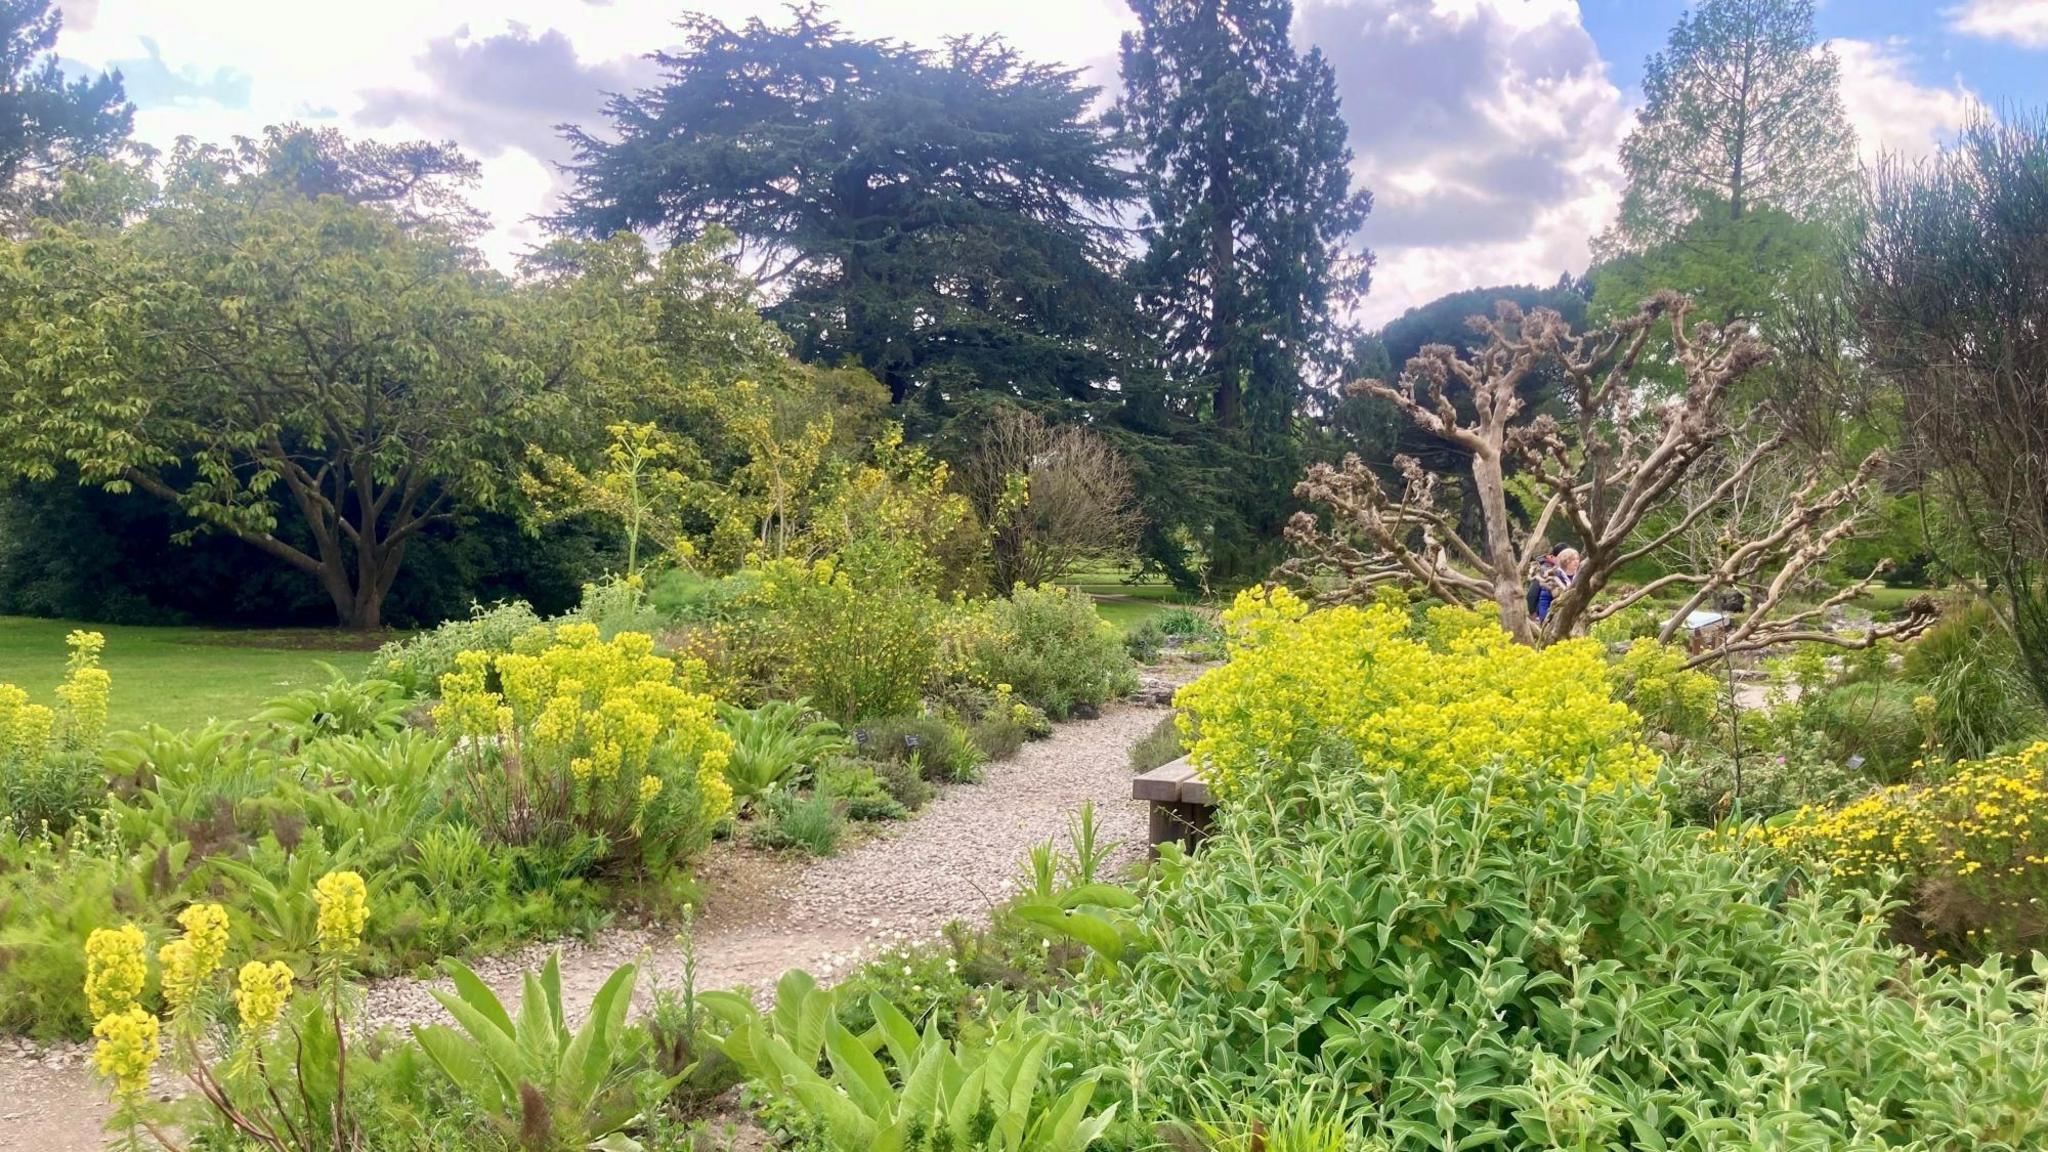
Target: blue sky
{"points": [[1487, 129], [1628, 31]]}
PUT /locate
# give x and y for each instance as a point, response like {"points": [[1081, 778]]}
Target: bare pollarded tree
{"points": [[1051, 496], [1610, 477]]}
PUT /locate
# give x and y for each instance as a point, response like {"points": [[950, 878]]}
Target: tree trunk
{"points": [[1738, 179], [1508, 592], [1221, 344]]}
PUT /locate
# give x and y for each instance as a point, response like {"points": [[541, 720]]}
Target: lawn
{"points": [[180, 677], [1127, 612], [1124, 604]]}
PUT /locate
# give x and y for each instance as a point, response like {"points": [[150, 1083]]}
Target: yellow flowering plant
{"points": [[567, 744], [1969, 851], [279, 1082], [344, 905], [128, 1048], [50, 778], [855, 650], [1436, 700], [189, 961], [261, 992], [115, 970]]}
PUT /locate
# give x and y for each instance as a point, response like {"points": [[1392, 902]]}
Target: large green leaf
{"points": [[847, 1124], [590, 1053], [462, 1062], [551, 990], [1057, 1125], [1099, 896], [535, 1029], [898, 1033], [923, 1083], [964, 1102], [860, 1074], [494, 1045], [1090, 929], [477, 994]]}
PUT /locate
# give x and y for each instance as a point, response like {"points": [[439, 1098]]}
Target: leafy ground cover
{"points": [[182, 677], [1454, 899]]}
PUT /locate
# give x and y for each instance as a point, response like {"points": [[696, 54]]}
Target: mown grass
{"points": [[1129, 614], [1122, 602], [181, 677]]}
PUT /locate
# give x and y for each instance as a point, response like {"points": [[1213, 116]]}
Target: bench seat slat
{"points": [[1169, 783]]}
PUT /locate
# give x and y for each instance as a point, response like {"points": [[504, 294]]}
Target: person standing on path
{"points": [[1542, 583], [1567, 573]]}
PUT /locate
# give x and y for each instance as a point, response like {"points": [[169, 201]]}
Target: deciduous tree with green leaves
{"points": [[318, 377], [1741, 110]]}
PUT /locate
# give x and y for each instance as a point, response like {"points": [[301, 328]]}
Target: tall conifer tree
{"points": [[1247, 173]]}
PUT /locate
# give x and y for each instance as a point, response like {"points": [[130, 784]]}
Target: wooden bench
{"points": [[1181, 804]]}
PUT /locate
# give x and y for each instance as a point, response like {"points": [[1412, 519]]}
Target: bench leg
{"points": [[1184, 824], [1159, 826]]}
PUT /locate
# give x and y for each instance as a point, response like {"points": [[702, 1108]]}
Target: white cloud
{"points": [[2024, 22], [352, 65], [1488, 131], [1893, 114]]}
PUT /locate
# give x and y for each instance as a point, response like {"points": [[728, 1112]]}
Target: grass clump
{"points": [[1163, 745], [810, 821]]}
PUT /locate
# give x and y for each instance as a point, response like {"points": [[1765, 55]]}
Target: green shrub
{"points": [[341, 707], [1537, 967], [1145, 642], [615, 605], [1802, 769], [533, 1080], [1054, 650], [1969, 666], [940, 746], [999, 723], [995, 1093], [810, 820], [997, 735], [1163, 745], [775, 744], [1187, 623], [686, 597], [52, 895], [1874, 720], [808, 630], [52, 792], [1652, 679], [417, 663], [859, 786], [904, 781]]}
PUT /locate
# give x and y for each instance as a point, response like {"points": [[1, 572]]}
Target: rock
{"points": [[1085, 711], [1154, 692]]}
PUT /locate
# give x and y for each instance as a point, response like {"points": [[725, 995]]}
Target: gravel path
{"points": [[959, 857]]}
